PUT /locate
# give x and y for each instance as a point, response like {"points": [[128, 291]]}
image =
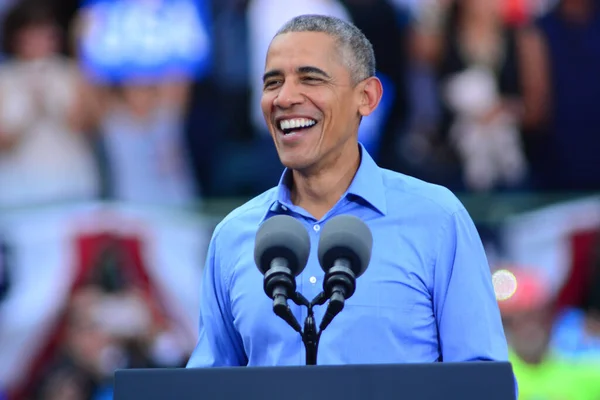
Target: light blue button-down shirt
{"points": [[426, 296]]}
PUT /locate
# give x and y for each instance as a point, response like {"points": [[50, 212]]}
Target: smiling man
{"points": [[427, 295]]}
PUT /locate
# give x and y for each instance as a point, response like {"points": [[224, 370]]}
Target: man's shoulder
{"points": [[428, 197], [247, 215]]}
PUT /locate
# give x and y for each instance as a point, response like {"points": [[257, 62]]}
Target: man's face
{"points": [[309, 101]]}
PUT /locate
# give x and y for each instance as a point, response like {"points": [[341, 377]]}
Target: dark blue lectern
{"points": [[461, 381]]}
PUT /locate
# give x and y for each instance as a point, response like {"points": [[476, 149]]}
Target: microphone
{"points": [[281, 251], [344, 254]]}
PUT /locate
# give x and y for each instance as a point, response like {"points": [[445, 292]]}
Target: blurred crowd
{"points": [[479, 96], [157, 103]]}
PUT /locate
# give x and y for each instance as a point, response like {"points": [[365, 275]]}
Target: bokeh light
{"points": [[505, 284]]}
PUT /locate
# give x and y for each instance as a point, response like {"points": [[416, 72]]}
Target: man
{"points": [[427, 295]]}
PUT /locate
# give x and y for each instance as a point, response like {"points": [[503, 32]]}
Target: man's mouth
{"points": [[295, 125]]}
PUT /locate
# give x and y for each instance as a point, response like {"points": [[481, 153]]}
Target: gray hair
{"points": [[357, 51]]}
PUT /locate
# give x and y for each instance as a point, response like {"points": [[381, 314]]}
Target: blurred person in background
{"points": [[418, 150], [138, 109], [141, 126], [88, 350], [561, 96], [527, 310], [111, 323], [413, 150], [478, 70], [43, 157]]}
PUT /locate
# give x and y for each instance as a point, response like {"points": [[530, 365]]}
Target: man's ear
{"points": [[370, 94]]}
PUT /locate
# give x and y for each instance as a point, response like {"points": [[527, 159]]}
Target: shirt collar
{"points": [[367, 185]]}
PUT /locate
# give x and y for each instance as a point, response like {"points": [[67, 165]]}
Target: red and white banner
{"points": [[52, 248], [560, 240]]}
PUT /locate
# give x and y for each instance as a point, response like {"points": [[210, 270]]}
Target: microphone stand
{"points": [[310, 336]]}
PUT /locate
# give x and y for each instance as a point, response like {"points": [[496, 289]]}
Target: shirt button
{"points": [[284, 208], [317, 227], [312, 280]]}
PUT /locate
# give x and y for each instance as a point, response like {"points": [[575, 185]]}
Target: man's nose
{"points": [[288, 96]]}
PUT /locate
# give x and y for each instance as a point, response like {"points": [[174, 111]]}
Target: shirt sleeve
{"points": [[467, 313], [219, 344]]}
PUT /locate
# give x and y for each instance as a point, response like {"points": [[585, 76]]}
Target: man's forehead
{"points": [[289, 52], [296, 44]]}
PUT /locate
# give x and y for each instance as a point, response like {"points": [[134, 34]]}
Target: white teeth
{"points": [[296, 123]]}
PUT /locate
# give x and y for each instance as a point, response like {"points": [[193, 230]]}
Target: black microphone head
{"points": [[347, 237], [282, 236]]}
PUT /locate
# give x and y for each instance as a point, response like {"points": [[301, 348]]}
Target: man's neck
{"points": [[319, 191]]}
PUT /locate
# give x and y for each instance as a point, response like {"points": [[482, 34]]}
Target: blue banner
{"points": [[145, 39]]}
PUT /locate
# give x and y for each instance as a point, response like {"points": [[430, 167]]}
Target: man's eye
{"points": [[271, 84]]}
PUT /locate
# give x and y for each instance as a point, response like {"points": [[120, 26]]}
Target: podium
{"points": [[461, 381]]}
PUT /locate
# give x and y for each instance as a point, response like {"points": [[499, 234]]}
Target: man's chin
{"points": [[297, 162], [299, 157]]}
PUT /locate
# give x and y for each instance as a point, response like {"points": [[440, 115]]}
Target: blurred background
{"points": [[129, 128]]}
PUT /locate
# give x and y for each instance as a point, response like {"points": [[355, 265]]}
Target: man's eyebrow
{"points": [[271, 74], [301, 70], [313, 70]]}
